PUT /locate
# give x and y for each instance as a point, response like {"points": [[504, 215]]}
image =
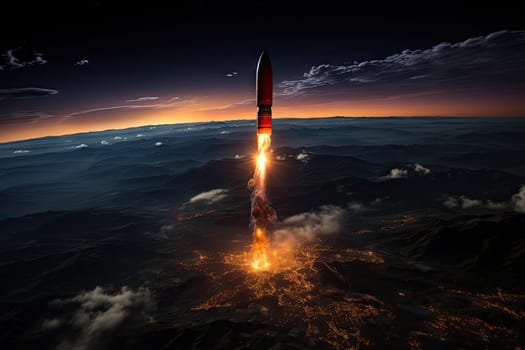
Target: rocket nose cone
{"points": [[264, 63], [264, 80]]}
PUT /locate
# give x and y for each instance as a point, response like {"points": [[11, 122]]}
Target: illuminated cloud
{"points": [[81, 62], [19, 151], [499, 55], [92, 314], [145, 98], [421, 169], [210, 197], [20, 58], [231, 75], [82, 145], [158, 143], [104, 142], [28, 92], [395, 174]]}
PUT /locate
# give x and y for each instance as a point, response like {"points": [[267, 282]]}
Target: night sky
{"points": [[96, 68]]}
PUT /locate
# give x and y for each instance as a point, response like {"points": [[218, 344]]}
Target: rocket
{"points": [[264, 95]]}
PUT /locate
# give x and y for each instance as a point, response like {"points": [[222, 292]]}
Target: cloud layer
{"points": [[498, 55]]}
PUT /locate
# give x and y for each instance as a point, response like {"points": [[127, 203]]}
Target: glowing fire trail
{"points": [[263, 215]]}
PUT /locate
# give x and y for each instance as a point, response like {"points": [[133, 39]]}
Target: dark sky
{"points": [[96, 67]]}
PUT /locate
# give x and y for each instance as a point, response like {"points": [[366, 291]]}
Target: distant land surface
{"points": [[411, 236]]}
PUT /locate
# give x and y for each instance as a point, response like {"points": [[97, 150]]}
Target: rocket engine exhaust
{"points": [[262, 214]]}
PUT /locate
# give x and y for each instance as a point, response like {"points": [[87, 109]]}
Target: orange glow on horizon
{"points": [[221, 110]]}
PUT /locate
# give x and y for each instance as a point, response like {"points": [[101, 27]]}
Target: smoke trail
{"points": [[262, 214]]}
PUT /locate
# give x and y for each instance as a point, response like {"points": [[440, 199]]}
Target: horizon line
{"points": [[248, 119]]}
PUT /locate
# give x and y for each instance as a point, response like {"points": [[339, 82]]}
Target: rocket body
{"points": [[264, 95]]}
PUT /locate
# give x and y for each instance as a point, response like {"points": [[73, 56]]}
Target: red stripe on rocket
{"points": [[264, 95]]}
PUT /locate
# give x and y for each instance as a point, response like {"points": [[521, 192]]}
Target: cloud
{"points": [[518, 200], [104, 142], [145, 98], [421, 169], [139, 135], [22, 118], [28, 92], [224, 132], [467, 203], [231, 75], [356, 206], [235, 105], [81, 62], [303, 156], [158, 143], [280, 157], [395, 174], [307, 226], [451, 202], [51, 323], [496, 205], [469, 62], [462, 202], [18, 151], [82, 145], [166, 228], [238, 156], [118, 138], [130, 107], [97, 312], [20, 58], [210, 197]]}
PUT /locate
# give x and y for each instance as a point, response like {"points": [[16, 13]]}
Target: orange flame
{"points": [[260, 245]]}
